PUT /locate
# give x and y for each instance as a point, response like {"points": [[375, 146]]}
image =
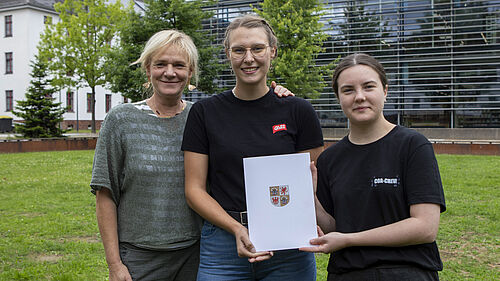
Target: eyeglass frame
{"points": [[246, 51]]}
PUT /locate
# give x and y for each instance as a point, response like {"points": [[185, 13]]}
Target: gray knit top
{"points": [[138, 158]]}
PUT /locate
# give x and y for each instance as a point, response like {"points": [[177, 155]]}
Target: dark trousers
{"points": [[387, 273], [146, 265]]}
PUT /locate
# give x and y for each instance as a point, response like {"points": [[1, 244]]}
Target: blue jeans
{"points": [[219, 261]]}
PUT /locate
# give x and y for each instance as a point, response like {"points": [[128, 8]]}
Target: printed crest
{"points": [[280, 195]]}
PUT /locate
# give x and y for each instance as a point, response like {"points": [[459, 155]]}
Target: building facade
{"points": [[22, 22], [442, 57]]}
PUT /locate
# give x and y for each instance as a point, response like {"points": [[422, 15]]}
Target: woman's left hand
{"points": [[328, 243], [281, 91]]}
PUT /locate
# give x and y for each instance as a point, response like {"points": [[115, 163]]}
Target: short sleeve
{"points": [[423, 181], [309, 129], [195, 135], [108, 159], [323, 192]]}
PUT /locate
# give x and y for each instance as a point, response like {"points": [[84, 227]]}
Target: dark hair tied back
{"points": [[356, 59]]}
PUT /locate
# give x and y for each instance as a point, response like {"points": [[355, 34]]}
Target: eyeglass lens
{"points": [[256, 51]]}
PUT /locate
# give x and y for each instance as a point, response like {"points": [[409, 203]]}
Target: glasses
{"points": [[257, 51]]}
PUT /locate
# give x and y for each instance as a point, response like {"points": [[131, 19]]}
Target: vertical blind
{"points": [[442, 58]]}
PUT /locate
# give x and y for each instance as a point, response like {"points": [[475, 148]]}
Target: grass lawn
{"points": [[48, 229]]}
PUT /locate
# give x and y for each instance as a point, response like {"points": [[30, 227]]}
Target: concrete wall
{"points": [[436, 134], [32, 145]]}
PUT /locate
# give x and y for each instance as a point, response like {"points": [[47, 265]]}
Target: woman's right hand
{"points": [[246, 249], [119, 272]]}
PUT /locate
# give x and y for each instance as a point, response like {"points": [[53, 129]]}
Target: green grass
{"points": [[48, 229]]}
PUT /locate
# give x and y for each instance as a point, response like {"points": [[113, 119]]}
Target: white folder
{"points": [[280, 201]]}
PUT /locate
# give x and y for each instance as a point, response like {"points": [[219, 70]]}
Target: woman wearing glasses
{"points": [[248, 120]]}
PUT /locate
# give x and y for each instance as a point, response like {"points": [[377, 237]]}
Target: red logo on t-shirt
{"points": [[280, 127]]}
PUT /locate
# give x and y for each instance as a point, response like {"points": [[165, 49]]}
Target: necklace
{"points": [[180, 107]]}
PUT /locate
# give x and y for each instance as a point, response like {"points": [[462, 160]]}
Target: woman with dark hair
{"points": [[379, 193]]}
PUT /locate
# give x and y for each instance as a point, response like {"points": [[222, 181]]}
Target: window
{"points": [[125, 100], [8, 26], [9, 100], [89, 102], [8, 63], [492, 32], [441, 57], [69, 102], [47, 19], [108, 102]]}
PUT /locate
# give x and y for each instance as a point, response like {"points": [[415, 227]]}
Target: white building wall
{"points": [[27, 25], [18, 44]]}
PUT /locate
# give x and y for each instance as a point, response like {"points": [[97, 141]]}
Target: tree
{"points": [[299, 30], [125, 78], [40, 113], [78, 44], [364, 30], [186, 16]]}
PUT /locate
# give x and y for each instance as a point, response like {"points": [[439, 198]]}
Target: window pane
{"points": [[8, 26], [108, 102], [8, 63], [69, 101], [89, 102], [9, 100]]}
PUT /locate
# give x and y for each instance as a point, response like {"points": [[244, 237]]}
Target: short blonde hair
{"points": [[167, 38]]}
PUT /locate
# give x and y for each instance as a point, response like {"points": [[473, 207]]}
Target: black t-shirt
{"points": [[367, 186], [228, 129]]}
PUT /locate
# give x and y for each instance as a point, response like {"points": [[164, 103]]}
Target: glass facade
{"points": [[442, 57]]}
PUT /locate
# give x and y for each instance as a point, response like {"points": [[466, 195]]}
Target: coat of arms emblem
{"points": [[280, 195]]}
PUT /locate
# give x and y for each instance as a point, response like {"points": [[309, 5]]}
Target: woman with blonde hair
{"points": [[220, 132], [147, 229]]}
